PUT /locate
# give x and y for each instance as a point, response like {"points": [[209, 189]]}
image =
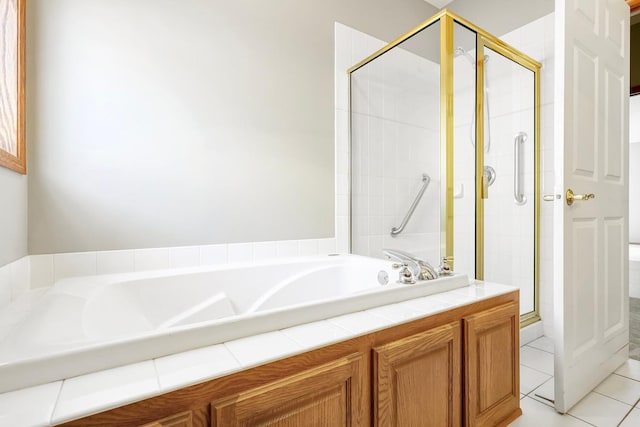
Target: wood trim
{"points": [[634, 5], [19, 163], [199, 396]]}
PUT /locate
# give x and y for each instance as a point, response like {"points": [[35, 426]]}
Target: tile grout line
{"points": [[628, 412], [613, 398], [55, 405]]}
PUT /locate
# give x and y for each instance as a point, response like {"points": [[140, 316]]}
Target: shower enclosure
{"points": [[444, 128]]}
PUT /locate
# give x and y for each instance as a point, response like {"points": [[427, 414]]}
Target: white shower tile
{"points": [[110, 262], [41, 271], [74, 264], [5, 285], [287, 248], [326, 246], [263, 251], [360, 322], [342, 205], [308, 247], [20, 276], [620, 388], [195, 366], [30, 406], [151, 259], [185, 256], [213, 254], [100, 391], [600, 410], [262, 348], [316, 334], [240, 252]]}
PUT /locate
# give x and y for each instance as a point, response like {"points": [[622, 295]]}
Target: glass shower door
{"points": [[508, 176]]}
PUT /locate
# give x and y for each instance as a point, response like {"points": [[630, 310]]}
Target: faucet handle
{"points": [[445, 267], [406, 276]]}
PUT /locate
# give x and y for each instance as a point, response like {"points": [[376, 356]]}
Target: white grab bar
{"points": [[518, 194], [397, 230]]}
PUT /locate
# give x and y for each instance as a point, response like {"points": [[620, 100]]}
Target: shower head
{"points": [[459, 51]]}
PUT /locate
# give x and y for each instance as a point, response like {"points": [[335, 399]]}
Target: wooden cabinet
{"points": [[330, 395], [417, 379], [184, 419], [492, 365], [457, 367]]}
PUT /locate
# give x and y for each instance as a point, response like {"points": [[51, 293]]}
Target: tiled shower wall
{"points": [[395, 140]]}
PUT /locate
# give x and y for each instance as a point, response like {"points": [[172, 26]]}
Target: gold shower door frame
{"points": [[447, 20]]}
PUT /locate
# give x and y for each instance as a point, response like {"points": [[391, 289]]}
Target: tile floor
{"points": [[615, 402]]}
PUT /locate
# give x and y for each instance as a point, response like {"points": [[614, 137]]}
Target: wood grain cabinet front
{"points": [[457, 367], [333, 394], [492, 364], [417, 379], [183, 419]]}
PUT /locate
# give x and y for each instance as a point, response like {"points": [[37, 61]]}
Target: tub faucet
{"points": [[420, 269]]}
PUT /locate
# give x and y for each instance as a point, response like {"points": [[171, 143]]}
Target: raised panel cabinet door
{"points": [[184, 419], [334, 394], [417, 379], [492, 361]]}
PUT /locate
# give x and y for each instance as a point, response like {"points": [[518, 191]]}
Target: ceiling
{"points": [[439, 3]]}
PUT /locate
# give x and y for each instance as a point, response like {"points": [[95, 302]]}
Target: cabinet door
{"points": [[492, 360], [330, 395], [184, 419], [417, 379]]}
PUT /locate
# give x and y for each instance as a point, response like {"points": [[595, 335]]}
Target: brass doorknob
{"points": [[572, 197]]}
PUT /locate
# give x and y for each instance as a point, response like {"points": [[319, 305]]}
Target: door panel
{"points": [[591, 132], [333, 394], [417, 379], [492, 380]]}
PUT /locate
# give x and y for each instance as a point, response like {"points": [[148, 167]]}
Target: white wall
{"points": [[13, 216], [165, 123]]}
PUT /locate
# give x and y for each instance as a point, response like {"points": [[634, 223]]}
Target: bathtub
{"points": [[634, 271], [86, 324]]}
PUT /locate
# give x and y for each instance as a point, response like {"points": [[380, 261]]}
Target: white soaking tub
{"points": [[91, 323]]}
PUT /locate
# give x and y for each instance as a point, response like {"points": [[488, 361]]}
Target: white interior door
{"points": [[591, 289]]}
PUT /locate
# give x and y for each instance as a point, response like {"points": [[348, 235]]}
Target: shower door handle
{"points": [[518, 195], [551, 197]]}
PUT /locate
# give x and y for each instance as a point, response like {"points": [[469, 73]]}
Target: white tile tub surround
{"points": [[14, 280], [38, 271], [88, 394]]}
